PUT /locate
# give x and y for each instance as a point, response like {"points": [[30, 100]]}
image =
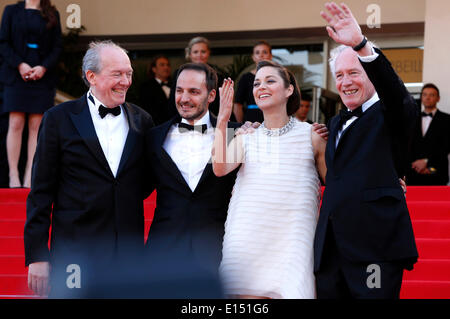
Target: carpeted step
{"points": [[18, 195], [19, 211], [433, 248], [12, 265], [11, 227], [20, 297], [13, 211], [433, 228], [429, 210], [429, 270], [14, 285], [422, 289], [428, 193], [11, 246], [147, 224], [148, 210]]}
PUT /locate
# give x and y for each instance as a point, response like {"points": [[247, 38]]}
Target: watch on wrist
{"points": [[361, 45]]}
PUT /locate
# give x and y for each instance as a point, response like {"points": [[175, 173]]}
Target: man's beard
{"points": [[198, 114]]}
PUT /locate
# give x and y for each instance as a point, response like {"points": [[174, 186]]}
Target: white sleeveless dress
{"points": [[272, 216]]}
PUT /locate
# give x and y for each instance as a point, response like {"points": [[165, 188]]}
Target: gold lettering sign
{"points": [[408, 63]]}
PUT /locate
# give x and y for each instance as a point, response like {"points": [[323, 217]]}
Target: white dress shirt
{"points": [[426, 120], [165, 88], [111, 132], [191, 150]]}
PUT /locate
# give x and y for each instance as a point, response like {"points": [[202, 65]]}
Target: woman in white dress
{"points": [[269, 232]]}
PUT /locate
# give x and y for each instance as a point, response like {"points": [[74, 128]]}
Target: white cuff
{"points": [[369, 58]]}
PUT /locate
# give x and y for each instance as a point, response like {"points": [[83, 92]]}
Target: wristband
{"points": [[361, 45]]}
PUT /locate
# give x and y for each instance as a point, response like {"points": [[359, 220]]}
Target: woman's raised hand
{"points": [[226, 100]]}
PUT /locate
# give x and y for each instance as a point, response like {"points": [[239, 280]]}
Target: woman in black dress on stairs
{"points": [[30, 44]]}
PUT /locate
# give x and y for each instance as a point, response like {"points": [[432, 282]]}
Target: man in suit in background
{"points": [[154, 93], [431, 143], [87, 180], [192, 202], [364, 238], [303, 110]]}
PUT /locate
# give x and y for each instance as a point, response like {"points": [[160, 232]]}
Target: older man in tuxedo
{"points": [[364, 238], [87, 180]]}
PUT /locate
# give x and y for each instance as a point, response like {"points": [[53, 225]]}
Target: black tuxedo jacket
{"points": [[91, 212], [13, 45], [435, 146], [190, 224], [363, 199], [154, 101]]}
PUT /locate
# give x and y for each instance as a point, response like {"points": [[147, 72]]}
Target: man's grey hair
{"points": [[92, 61], [336, 52]]}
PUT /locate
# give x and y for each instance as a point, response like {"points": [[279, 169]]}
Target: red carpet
{"points": [[429, 208]]}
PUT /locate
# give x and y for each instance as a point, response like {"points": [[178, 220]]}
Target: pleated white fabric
{"points": [[272, 216]]}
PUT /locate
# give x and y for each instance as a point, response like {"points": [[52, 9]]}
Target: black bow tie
{"points": [[105, 110], [165, 84], [183, 127], [427, 114], [345, 115]]}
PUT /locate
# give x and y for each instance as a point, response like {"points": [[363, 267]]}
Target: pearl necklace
{"points": [[279, 131]]}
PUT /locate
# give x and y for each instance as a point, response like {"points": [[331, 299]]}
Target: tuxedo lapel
{"points": [[331, 145], [344, 134], [131, 137], [207, 171], [351, 126], [433, 125], [81, 118], [166, 161], [172, 168]]}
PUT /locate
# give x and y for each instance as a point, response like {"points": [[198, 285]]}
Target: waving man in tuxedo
{"points": [[364, 226]]}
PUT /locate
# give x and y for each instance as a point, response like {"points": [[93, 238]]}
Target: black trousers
{"points": [[339, 278]]}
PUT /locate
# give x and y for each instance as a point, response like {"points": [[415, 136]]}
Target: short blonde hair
{"points": [[191, 43]]}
